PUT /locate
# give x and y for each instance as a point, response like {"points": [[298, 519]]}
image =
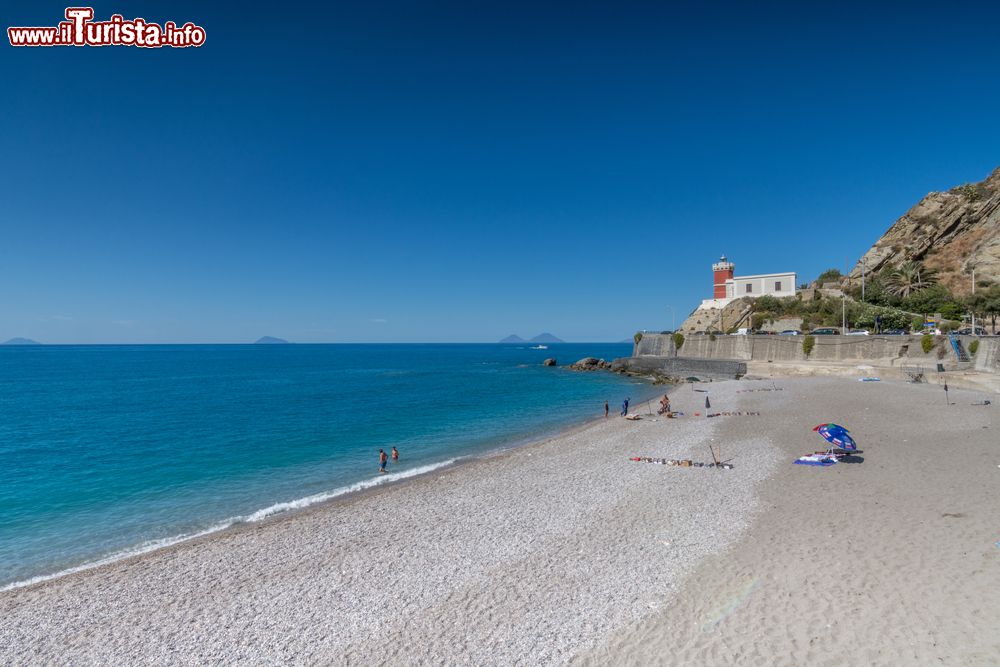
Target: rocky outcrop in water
{"points": [[590, 364], [950, 232], [549, 362]]}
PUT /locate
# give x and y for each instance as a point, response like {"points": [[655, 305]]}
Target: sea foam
{"points": [[259, 515]]}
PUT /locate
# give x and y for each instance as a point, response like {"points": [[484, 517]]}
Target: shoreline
{"points": [[573, 500], [319, 501]]}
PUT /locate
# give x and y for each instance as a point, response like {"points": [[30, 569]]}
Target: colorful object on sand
{"points": [[837, 435], [817, 460]]}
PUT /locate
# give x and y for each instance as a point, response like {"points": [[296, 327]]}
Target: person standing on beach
{"points": [[383, 458], [625, 407], [395, 455], [605, 409]]}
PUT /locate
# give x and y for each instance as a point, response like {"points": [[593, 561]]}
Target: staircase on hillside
{"points": [[741, 319], [956, 345]]}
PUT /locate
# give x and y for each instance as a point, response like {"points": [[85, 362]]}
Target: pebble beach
{"points": [[566, 551]]}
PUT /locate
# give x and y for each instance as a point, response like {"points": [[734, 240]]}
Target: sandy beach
{"points": [[567, 552]]}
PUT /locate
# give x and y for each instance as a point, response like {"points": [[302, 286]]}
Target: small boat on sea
{"points": [[539, 347]]}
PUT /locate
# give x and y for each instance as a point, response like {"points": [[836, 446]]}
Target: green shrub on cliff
{"points": [[828, 276], [678, 340], [637, 337], [807, 345], [768, 303], [927, 343], [971, 191], [974, 347]]}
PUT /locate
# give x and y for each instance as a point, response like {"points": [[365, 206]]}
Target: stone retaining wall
{"points": [[874, 350]]}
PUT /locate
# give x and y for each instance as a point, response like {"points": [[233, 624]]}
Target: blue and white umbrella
{"points": [[837, 435]]}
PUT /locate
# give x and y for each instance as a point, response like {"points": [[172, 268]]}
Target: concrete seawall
{"points": [[873, 350]]}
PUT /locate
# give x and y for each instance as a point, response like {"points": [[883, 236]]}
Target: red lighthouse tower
{"points": [[721, 272]]}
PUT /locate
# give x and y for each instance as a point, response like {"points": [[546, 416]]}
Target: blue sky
{"points": [[400, 171]]}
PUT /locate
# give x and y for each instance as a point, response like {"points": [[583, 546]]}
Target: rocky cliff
{"points": [[951, 232]]}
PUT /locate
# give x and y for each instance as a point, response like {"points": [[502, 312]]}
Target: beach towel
{"points": [[816, 460]]}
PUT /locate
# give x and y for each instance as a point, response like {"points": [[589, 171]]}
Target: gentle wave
{"points": [[259, 515], [327, 495]]}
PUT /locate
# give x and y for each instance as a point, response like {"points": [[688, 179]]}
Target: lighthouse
{"points": [[721, 272]]}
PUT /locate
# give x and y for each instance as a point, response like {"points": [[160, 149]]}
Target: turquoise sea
{"points": [[107, 451]]}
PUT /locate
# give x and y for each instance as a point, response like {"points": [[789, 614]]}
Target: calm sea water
{"points": [[110, 450]]}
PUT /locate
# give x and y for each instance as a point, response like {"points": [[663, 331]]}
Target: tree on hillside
{"points": [[929, 299], [909, 278], [986, 303]]}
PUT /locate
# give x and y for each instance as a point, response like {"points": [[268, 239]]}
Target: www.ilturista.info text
{"points": [[79, 29]]}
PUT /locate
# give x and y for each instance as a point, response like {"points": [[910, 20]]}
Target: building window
{"points": [[749, 288], [777, 286]]}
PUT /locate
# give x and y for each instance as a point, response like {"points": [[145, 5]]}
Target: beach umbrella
{"points": [[837, 435]]}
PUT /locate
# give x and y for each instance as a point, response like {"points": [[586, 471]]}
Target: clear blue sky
{"points": [[410, 171]]}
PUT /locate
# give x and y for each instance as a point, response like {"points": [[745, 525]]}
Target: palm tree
{"points": [[910, 277]]}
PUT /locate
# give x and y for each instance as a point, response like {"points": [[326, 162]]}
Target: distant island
{"points": [[540, 338], [20, 341], [271, 340]]}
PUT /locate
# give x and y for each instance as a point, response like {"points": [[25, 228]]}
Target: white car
{"points": [[857, 332]]}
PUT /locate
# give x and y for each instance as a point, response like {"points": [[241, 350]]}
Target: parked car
{"points": [[745, 331], [858, 332], [699, 333], [967, 331], [790, 332], [894, 332], [825, 331]]}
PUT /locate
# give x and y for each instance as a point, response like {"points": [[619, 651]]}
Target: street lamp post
{"points": [[973, 304], [864, 267]]}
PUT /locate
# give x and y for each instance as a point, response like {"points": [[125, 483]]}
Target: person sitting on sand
{"points": [[395, 455], [383, 458]]}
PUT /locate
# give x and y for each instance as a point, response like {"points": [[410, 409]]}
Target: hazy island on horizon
{"points": [[271, 340], [540, 338], [20, 341]]}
